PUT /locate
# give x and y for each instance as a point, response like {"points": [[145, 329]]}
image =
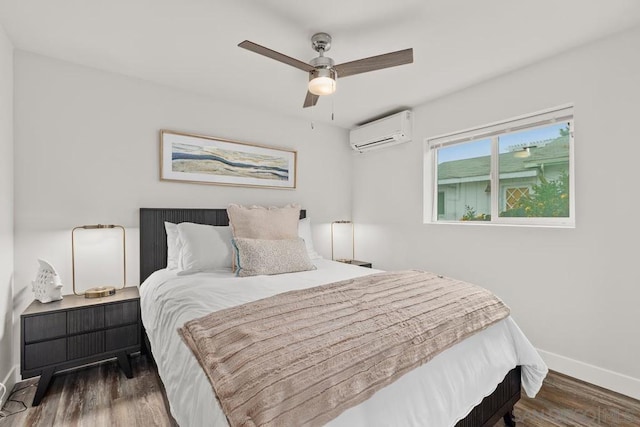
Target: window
{"points": [[518, 171]]}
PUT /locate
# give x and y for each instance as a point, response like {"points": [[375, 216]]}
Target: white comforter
{"points": [[438, 393]]}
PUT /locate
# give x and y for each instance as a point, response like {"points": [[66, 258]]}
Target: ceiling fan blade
{"points": [[275, 55], [311, 100], [372, 63]]}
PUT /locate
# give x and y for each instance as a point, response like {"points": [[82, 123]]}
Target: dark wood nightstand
{"points": [[76, 331], [356, 262]]}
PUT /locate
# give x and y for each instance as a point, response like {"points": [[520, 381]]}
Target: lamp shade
{"points": [[342, 241], [98, 257]]}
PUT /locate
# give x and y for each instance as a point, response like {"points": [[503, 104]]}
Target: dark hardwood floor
{"points": [[98, 395], [101, 395]]}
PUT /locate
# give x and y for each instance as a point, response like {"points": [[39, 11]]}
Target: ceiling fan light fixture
{"points": [[322, 81]]}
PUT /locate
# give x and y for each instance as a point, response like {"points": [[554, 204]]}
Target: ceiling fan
{"points": [[322, 70]]}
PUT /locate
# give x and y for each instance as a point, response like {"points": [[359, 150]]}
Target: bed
{"points": [[474, 383]]}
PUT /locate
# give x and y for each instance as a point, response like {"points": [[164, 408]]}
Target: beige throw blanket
{"points": [[303, 357]]}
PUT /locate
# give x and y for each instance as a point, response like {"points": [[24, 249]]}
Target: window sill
{"points": [[498, 224]]}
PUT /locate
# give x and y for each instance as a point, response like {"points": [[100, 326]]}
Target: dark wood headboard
{"points": [[153, 237]]}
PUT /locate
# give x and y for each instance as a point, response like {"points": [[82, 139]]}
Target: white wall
{"points": [[6, 210], [574, 292], [87, 151]]}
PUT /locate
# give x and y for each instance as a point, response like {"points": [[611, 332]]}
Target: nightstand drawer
{"points": [[121, 313], [86, 319], [45, 326], [45, 353], [85, 345], [122, 337]]}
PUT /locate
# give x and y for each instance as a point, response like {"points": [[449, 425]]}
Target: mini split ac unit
{"points": [[384, 132]]}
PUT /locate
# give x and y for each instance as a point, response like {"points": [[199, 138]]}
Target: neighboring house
{"points": [[463, 183]]}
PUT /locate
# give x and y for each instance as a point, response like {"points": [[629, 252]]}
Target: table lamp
{"points": [[342, 235], [98, 291]]}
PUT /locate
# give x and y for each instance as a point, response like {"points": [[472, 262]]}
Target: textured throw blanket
{"points": [[303, 357]]}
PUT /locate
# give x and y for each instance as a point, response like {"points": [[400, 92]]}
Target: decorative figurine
{"points": [[47, 287]]}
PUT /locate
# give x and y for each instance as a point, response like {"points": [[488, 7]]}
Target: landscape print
{"points": [[211, 160], [204, 159]]}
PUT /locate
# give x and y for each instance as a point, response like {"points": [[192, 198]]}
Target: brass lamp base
{"points": [[100, 291]]}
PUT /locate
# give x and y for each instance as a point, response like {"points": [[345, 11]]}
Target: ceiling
{"points": [[192, 44]]}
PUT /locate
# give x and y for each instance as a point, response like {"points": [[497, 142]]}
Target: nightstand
{"points": [[76, 331], [356, 262]]}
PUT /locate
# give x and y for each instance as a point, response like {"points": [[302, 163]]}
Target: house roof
{"points": [[550, 151]]}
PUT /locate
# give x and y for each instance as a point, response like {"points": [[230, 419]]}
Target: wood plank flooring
{"points": [[565, 401], [95, 396], [102, 396]]}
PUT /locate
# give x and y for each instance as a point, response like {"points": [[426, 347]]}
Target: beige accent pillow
{"points": [[259, 222], [260, 256]]}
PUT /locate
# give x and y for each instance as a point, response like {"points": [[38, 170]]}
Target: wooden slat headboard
{"points": [[153, 237]]}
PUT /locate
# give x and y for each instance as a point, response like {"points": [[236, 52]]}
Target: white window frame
{"points": [[492, 131]]}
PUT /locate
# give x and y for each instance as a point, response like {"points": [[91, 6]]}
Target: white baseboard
{"points": [[9, 381], [605, 378]]}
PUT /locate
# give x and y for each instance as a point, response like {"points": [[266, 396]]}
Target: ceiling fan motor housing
{"points": [[322, 62], [323, 72], [323, 68]]}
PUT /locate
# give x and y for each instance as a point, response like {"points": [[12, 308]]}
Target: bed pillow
{"points": [[173, 245], [260, 256], [304, 232], [204, 247], [259, 222]]}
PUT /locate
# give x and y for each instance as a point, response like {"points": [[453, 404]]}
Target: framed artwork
{"points": [[211, 160]]}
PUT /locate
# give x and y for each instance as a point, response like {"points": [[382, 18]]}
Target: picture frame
{"points": [[210, 160]]}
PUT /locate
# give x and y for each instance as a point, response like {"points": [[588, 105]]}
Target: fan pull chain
{"points": [[313, 114], [332, 105]]}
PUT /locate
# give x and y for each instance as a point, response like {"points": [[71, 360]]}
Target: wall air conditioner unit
{"points": [[384, 132]]}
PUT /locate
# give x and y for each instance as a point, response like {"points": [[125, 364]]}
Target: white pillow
{"points": [[304, 232], [204, 247], [173, 245]]}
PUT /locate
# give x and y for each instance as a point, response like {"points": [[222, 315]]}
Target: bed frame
{"points": [[153, 256]]}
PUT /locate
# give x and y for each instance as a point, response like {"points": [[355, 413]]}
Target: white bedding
{"points": [[438, 393]]}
